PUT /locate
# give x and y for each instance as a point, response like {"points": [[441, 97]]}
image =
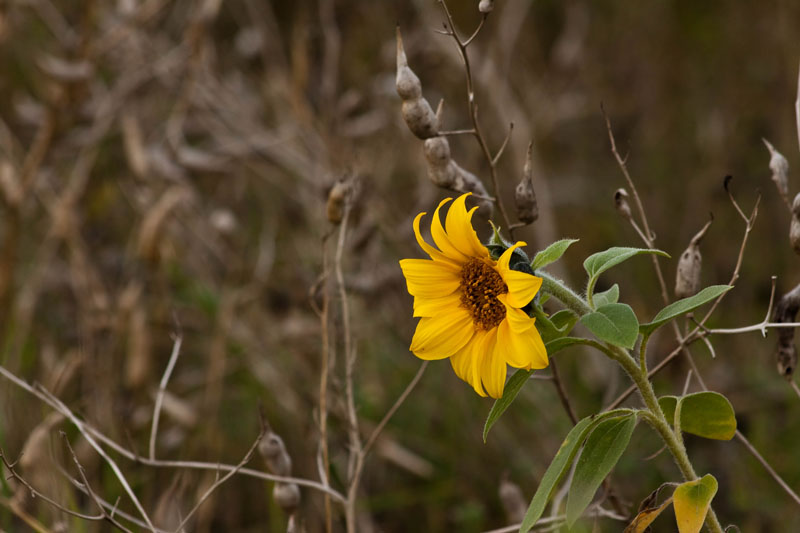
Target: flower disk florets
{"points": [[480, 287]]}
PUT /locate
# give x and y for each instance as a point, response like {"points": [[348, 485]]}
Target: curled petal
{"points": [[441, 238], [522, 287], [505, 259], [427, 248], [518, 320], [459, 229], [522, 349]]}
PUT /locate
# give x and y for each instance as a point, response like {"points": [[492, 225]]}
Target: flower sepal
{"points": [[497, 245]]}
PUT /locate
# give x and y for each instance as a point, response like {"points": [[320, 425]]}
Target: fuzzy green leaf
{"points": [[552, 253], [556, 345], [686, 305], [603, 449], [691, 501], [598, 263], [510, 392], [611, 296], [613, 323], [705, 414], [560, 464], [557, 325]]}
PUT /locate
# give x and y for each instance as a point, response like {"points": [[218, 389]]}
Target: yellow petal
{"points": [[436, 306], [466, 362], [494, 370], [523, 349], [518, 320], [441, 336], [522, 287], [460, 231], [505, 259], [441, 239], [427, 248], [430, 279]]}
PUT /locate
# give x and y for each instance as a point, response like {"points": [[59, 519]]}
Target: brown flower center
{"points": [[480, 286]]}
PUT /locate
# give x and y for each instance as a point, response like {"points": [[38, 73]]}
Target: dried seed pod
{"points": [[786, 311], [416, 111], [336, 201], [273, 451], [486, 6], [275, 455], [446, 173], [780, 171], [287, 496], [524, 195], [621, 203], [794, 228], [687, 279], [513, 501]]}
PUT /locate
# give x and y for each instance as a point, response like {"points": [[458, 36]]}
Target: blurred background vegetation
{"points": [[164, 167]]}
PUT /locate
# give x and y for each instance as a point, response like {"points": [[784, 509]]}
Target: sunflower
{"points": [[470, 306]]}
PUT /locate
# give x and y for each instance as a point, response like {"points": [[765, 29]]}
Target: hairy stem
{"points": [[639, 376], [563, 293]]}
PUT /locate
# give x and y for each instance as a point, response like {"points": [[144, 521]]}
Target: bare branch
{"points": [[162, 387]]}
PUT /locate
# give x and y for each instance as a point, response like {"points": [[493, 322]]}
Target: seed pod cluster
{"points": [[445, 172], [425, 124], [687, 279], [416, 111], [621, 203], [786, 353], [780, 170], [524, 195], [273, 451], [794, 228]]}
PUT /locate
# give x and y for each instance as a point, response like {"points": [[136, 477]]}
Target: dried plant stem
{"points": [[352, 493], [90, 432], [349, 350], [30, 521], [795, 387], [323, 380], [162, 388], [646, 235], [220, 480], [761, 326], [473, 110], [691, 337], [700, 331], [741, 438], [106, 516], [38, 494], [562, 392], [99, 449]]}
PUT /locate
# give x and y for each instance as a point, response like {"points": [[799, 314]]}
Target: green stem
{"points": [[643, 353], [563, 293], [661, 425], [638, 373]]}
